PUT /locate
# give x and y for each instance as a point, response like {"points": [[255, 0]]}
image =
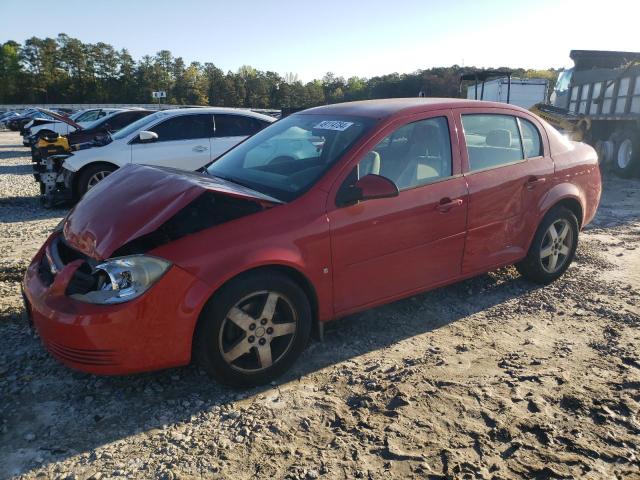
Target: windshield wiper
{"points": [[231, 179], [244, 185]]}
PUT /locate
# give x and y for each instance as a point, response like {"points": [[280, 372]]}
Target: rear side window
{"points": [[492, 140], [530, 139], [184, 127], [236, 125]]}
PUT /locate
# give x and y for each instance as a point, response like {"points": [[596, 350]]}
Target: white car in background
{"points": [[65, 125], [186, 138]]}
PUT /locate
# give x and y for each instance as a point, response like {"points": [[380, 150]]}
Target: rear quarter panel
{"points": [[577, 175]]}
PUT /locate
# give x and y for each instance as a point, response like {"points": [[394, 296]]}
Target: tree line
{"points": [[66, 70]]}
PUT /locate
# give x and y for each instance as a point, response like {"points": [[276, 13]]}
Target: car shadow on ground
{"points": [[25, 209], [106, 409], [5, 154], [14, 169]]}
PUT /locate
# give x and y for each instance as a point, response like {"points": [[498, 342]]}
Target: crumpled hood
{"points": [[136, 200]]}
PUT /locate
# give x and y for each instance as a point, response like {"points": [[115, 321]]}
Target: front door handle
{"points": [[532, 182], [447, 204], [200, 148]]}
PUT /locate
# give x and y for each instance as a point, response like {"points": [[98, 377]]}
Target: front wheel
{"points": [[553, 247], [253, 329], [90, 177]]}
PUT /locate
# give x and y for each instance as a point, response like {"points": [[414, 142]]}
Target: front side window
{"points": [[289, 156], [184, 127], [228, 125], [415, 154], [492, 140]]}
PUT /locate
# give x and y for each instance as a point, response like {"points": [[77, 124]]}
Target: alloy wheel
{"points": [[97, 177], [258, 331], [625, 152], [556, 246]]}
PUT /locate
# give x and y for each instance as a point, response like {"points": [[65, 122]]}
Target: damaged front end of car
{"points": [[48, 154], [100, 279], [54, 179]]}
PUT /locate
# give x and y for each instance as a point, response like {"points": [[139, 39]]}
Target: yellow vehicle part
{"points": [[60, 143], [574, 126]]}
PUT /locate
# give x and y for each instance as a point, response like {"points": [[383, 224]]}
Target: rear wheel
{"points": [[553, 247], [626, 153], [91, 176], [253, 329]]}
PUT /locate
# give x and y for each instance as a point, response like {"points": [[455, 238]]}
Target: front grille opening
{"points": [[68, 254], [82, 281], [82, 355], [44, 271]]}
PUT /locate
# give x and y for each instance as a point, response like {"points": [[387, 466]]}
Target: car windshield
{"points": [[288, 157], [137, 125]]}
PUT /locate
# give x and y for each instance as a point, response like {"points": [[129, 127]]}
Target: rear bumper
{"points": [[151, 332]]}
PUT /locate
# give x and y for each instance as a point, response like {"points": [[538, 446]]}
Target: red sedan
{"points": [[327, 212]]}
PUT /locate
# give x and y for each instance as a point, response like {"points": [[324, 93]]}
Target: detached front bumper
{"points": [[151, 332]]}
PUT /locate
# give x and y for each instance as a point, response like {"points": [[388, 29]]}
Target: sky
{"points": [[361, 38]]}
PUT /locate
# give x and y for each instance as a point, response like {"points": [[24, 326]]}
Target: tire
{"points": [[626, 153], [46, 133], [539, 266], [236, 355], [90, 176]]}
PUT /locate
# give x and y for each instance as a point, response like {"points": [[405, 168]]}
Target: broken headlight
{"points": [[122, 279]]}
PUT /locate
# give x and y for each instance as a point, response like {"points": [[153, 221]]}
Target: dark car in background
{"points": [[17, 123]]}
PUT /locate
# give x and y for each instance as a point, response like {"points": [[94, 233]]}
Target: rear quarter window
{"points": [[530, 139]]}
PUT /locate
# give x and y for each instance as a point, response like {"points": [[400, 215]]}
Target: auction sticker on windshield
{"points": [[333, 125]]}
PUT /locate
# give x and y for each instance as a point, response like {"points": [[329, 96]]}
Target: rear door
{"points": [[231, 129], [506, 169], [183, 142]]}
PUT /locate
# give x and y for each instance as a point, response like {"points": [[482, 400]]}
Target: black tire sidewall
{"points": [[86, 174], [531, 267], [206, 351]]}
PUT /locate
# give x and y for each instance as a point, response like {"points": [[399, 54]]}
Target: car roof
{"points": [[392, 106], [219, 110]]}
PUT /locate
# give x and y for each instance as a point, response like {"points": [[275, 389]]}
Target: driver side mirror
{"points": [[369, 187], [146, 136]]}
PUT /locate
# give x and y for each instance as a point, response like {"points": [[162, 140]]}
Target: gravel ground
{"points": [[490, 378]]}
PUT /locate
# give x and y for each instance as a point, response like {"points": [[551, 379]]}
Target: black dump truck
{"points": [[598, 102]]}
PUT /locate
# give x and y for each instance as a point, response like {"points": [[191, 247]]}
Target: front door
{"points": [[184, 142], [392, 247]]}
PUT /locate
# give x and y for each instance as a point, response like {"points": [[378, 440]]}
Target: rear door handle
{"points": [[447, 204], [200, 148], [532, 182]]}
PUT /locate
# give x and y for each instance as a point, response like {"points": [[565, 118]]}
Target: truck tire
{"points": [[626, 153]]}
